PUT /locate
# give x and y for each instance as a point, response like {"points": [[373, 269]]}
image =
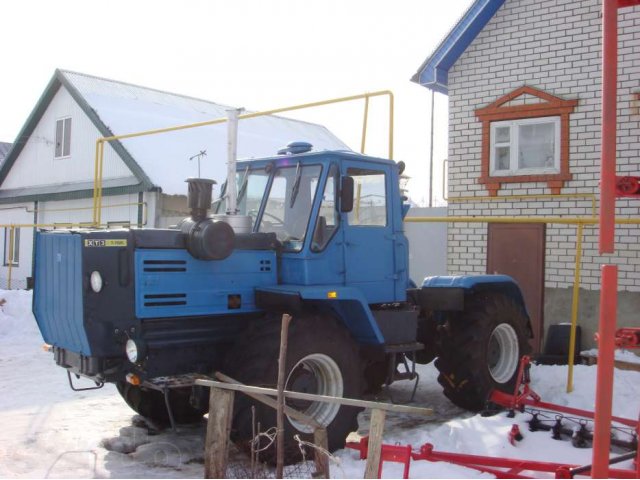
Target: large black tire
{"points": [[480, 350], [375, 374], [150, 404], [319, 352]]}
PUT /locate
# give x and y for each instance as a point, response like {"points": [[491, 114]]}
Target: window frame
{"points": [[514, 143], [65, 140], [505, 109], [16, 247]]}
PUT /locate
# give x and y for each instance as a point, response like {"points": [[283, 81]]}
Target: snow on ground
{"points": [[49, 431], [621, 355]]}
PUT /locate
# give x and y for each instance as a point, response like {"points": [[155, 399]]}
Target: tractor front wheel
{"points": [[481, 350], [322, 358]]}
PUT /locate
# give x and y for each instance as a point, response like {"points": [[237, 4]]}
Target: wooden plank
{"points": [[352, 402], [376, 429], [321, 458], [216, 451]]}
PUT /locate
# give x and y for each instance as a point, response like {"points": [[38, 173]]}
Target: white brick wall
{"points": [[555, 46]]}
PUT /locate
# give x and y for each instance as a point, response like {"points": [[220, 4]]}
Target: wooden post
{"points": [[282, 368], [376, 429], [218, 427], [321, 459]]}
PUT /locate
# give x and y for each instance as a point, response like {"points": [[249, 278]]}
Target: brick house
{"points": [[523, 79]]}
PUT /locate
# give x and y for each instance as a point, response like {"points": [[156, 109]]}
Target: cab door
{"points": [[368, 233]]}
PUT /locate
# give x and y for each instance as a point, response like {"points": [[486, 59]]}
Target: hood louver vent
{"points": [[165, 266], [165, 299]]}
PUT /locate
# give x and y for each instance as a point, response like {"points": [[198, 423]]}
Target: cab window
{"points": [[370, 200], [288, 206], [328, 216]]}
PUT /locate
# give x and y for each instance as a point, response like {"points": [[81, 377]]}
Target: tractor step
{"points": [[399, 368], [174, 381]]}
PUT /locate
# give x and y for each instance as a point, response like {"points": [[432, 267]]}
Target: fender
{"points": [[347, 303], [447, 293]]}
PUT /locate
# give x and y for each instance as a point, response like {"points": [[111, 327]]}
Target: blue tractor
{"points": [[318, 235]]}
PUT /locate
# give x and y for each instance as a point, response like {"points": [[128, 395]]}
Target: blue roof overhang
{"points": [[434, 72]]}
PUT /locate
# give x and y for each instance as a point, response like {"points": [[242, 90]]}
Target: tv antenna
{"points": [[203, 153]]}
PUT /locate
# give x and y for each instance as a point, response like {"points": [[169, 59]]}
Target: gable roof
{"points": [[434, 72], [4, 149], [162, 161]]}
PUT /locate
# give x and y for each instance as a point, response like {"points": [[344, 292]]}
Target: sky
{"points": [[257, 54]]}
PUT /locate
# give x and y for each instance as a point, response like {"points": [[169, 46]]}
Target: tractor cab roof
{"points": [[311, 157]]}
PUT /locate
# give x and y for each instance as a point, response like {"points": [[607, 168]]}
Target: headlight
{"points": [[132, 351], [96, 281]]}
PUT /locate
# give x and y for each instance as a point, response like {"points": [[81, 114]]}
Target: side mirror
{"points": [[346, 194]]}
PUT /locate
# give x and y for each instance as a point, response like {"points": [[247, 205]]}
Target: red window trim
{"points": [[550, 106]]}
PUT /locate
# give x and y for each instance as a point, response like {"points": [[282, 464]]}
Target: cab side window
{"points": [[328, 216], [370, 202]]}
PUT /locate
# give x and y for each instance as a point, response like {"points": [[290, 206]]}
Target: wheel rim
{"points": [[319, 374], [503, 354]]}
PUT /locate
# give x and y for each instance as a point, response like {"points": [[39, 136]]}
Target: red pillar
{"points": [[608, 153], [604, 382]]}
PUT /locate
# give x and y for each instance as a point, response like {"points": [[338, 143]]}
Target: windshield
{"points": [[251, 185], [288, 206]]}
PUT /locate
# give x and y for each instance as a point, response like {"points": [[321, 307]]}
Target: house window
{"points": [[526, 146], [63, 137], [11, 246], [525, 138]]}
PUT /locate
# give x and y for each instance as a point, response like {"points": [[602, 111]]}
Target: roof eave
{"points": [[433, 73], [29, 126], [122, 152], [57, 80]]}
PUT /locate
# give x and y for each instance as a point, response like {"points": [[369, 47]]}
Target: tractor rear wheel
{"points": [[481, 350], [150, 404], [322, 358]]}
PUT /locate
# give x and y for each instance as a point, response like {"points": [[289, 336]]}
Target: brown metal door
{"points": [[518, 250]]}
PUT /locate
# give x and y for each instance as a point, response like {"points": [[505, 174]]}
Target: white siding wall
{"points": [[36, 165], [119, 208], [553, 45], [19, 214]]}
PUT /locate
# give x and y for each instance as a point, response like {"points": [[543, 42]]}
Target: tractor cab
{"points": [[336, 215]]}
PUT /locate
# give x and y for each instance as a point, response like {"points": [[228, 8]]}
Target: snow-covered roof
{"points": [[125, 108], [162, 161]]}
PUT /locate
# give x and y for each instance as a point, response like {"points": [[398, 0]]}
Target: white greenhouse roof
{"points": [[126, 108]]}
